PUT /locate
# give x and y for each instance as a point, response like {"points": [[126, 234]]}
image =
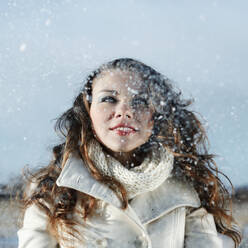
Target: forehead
{"points": [[118, 80]]}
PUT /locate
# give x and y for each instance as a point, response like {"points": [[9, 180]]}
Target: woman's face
{"points": [[120, 112]]}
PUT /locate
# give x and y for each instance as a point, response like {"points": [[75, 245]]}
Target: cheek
{"points": [[99, 115], [146, 118], [150, 124]]}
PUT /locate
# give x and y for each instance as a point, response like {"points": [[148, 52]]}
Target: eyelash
{"points": [[136, 101], [108, 99]]}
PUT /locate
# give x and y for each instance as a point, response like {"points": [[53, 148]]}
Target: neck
{"points": [[127, 159]]}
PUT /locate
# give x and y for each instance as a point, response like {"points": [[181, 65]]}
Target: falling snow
{"points": [[22, 47]]}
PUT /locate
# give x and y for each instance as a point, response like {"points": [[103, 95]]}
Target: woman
{"points": [[133, 171]]}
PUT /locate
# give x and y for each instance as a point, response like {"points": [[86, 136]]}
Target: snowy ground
{"points": [[8, 224]]}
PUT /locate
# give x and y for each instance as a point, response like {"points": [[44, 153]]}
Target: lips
{"points": [[123, 129]]}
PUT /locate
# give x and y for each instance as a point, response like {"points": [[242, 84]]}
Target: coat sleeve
{"points": [[34, 232], [200, 231]]}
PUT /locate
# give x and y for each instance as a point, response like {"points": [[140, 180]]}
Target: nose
{"points": [[123, 110]]}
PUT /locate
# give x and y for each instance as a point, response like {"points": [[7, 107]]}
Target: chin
{"points": [[121, 148]]}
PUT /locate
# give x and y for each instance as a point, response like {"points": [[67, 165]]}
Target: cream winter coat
{"points": [[170, 216]]}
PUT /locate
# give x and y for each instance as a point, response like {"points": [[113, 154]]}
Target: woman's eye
{"points": [[108, 99], [139, 102]]}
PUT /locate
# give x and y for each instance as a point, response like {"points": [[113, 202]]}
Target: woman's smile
{"points": [[123, 129]]}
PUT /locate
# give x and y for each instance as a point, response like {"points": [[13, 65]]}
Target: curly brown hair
{"points": [[175, 127]]}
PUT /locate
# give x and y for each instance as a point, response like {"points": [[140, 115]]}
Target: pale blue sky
{"points": [[47, 47]]}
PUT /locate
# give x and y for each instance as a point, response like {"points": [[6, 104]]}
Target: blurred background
{"points": [[48, 47]]}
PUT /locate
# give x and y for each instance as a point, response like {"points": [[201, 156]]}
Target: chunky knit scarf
{"points": [[153, 171]]}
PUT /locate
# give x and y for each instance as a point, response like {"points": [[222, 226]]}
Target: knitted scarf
{"points": [[153, 171]]}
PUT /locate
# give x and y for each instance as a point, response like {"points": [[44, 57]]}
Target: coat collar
{"points": [[75, 175], [149, 206], [172, 194]]}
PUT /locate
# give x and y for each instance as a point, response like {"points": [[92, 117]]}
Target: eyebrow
{"points": [[109, 91], [115, 92]]}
